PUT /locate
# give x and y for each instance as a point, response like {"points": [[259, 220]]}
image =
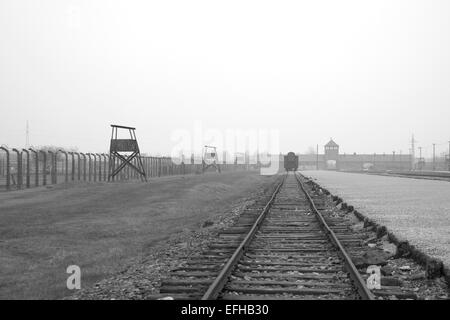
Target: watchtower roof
{"points": [[331, 143]]}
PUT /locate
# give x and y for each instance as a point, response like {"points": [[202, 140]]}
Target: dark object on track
{"points": [[291, 162]]}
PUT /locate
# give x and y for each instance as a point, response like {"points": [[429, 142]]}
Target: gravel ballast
{"points": [[415, 210]]}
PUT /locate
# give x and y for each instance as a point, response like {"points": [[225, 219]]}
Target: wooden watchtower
{"points": [[210, 158], [122, 152]]}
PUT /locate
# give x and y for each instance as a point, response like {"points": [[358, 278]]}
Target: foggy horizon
{"points": [[368, 75]]}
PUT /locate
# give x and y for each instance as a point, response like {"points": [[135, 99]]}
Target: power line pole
{"points": [[317, 156], [413, 151], [434, 156], [420, 158], [449, 156]]}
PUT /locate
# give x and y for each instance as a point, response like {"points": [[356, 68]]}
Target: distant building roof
{"points": [[331, 143]]}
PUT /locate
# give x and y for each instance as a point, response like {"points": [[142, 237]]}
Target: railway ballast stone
{"points": [[207, 224], [389, 248], [391, 281], [357, 227], [434, 268], [387, 270], [373, 256]]}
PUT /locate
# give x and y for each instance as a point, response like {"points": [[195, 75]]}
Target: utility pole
{"points": [[420, 158], [317, 156], [434, 156], [449, 156], [413, 151]]}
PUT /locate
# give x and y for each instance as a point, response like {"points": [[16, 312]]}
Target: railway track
{"points": [[445, 176], [280, 248]]}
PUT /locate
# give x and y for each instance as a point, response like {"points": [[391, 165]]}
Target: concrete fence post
{"points": [[8, 168], [79, 165], [90, 166], [95, 166], [36, 167], [151, 166], [28, 166], [94, 172], [158, 167], [99, 166], [19, 168], [52, 170], [44, 168], [84, 166], [105, 166], [72, 156], [146, 165], [66, 170]]}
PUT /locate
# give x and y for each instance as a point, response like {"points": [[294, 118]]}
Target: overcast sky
{"points": [[367, 73]]}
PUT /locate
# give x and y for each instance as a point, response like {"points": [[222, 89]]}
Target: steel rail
{"points": [[363, 291], [218, 284]]}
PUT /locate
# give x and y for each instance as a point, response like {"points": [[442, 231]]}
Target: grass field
{"points": [[101, 227]]}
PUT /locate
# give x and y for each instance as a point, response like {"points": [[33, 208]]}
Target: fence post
{"points": [[73, 166], [90, 166], [44, 170], [36, 173], [145, 163], [19, 168], [99, 166], [135, 174], [95, 167], [52, 171], [159, 167], [163, 166], [8, 173], [106, 165], [84, 166], [79, 165], [154, 166], [28, 166], [66, 178], [151, 166]]}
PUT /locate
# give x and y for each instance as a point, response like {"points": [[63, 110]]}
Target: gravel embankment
{"points": [[415, 210]]}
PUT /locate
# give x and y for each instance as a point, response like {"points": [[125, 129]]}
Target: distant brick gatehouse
{"points": [[331, 159]]}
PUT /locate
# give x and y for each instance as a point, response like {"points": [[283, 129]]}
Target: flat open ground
{"points": [[101, 227], [414, 209]]}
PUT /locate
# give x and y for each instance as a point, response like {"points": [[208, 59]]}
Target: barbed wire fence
{"points": [[28, 168]]}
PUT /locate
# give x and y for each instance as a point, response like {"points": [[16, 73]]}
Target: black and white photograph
{"points": [[252, 153]]}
